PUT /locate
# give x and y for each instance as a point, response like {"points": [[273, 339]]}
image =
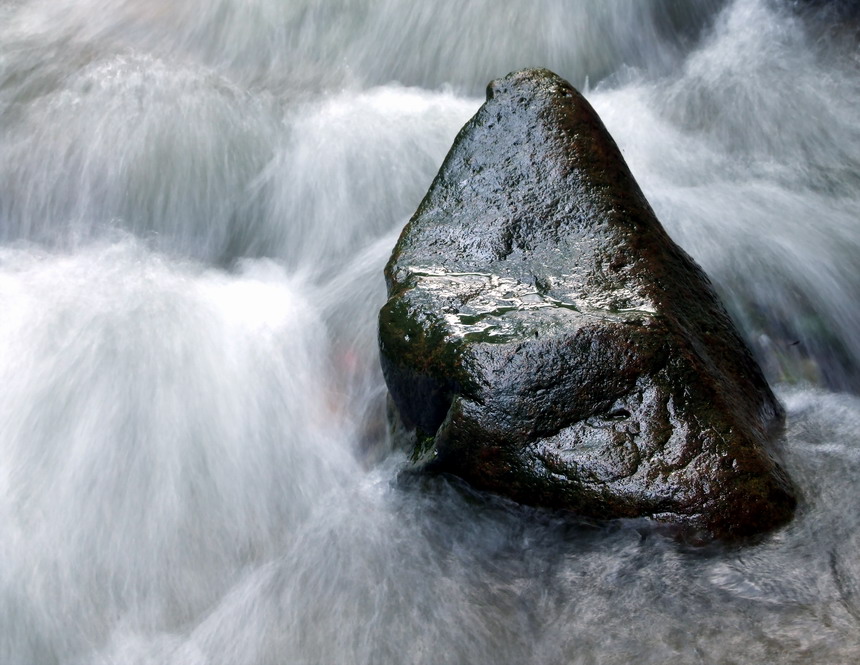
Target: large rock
{"points": [[546, 340]]}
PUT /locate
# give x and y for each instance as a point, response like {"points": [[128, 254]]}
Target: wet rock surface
{"points": [[546, 340]]}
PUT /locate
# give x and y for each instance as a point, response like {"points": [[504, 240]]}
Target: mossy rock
{"points": [[546, 340]]}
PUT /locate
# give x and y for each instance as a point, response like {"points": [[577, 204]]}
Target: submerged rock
{"points": [[546, 340]]}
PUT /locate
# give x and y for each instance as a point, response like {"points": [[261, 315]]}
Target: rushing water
{"points": [[196, 202]]}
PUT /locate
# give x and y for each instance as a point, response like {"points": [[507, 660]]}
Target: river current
{"points": [[197, 198]]}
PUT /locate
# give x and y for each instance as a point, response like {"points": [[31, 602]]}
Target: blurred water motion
{"points": [[196, 202]]}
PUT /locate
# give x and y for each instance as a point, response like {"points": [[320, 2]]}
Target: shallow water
{"points": [[196, 202]]}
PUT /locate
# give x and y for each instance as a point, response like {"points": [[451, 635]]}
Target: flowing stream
{"points": [[197, 198]]}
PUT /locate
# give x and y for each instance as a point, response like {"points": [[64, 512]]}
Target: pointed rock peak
{"points": [[534, 188], [545, 339], [539, 105]]}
